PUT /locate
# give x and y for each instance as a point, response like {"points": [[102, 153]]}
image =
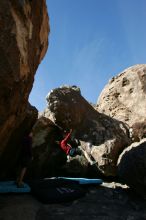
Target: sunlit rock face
{"points": [[68, 109], [132, 167], [124, 98], [23, 43]]}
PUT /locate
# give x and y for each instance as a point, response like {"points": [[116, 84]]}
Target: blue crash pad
{"points": [[83, 181], [52, 190], [11, 187]]}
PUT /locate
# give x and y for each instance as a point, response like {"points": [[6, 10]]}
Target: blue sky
{"points": [[90, 42]]}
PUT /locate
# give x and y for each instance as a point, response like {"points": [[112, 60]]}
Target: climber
{"points": [[25, 158], [75, 149], [71, 151]]}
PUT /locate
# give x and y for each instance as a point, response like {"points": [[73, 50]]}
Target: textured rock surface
{"points": [[47, 155], [111, 201], [138, 131], [23, 43], [48, 158], [124, 97], [14, 145], [68, 109], [132, 166]]}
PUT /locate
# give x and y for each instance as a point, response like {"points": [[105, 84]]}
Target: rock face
{"points": [[23, 43], [47, 155], [132, 167], [9, 160], [68, 109], [124, 98], [48, 158], [138, 131]]}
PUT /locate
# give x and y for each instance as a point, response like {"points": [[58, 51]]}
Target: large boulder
{"points": [[48, 158], [23, 43], [132, 167], [68, 109], [47, 155], [124, 98], [11, 154]]}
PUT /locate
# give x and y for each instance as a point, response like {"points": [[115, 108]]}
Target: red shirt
{"points": [[64, 145]]}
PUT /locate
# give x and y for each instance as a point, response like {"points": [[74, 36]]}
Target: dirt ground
{"points": [[109, 201]]}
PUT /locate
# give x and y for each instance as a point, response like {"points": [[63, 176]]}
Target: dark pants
{"points": [[74, 151]]}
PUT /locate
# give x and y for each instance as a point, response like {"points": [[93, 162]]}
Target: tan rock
{"points": [[69, 109], [23, 42], [124, 97]]}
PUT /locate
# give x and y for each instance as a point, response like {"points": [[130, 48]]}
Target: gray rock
{"points": [[132, 167]]}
